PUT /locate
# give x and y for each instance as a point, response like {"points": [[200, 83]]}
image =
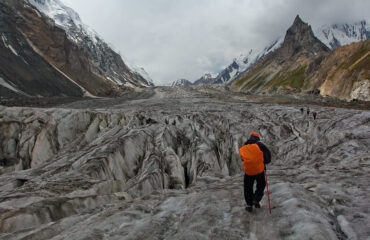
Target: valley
{"points": [[92, 148]]}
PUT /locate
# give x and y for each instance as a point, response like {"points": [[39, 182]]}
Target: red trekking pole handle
{"points": [[268, 193]]}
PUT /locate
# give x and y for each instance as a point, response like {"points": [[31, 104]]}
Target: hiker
{"points": [[314, 115], [254, 155], [302, 110], [308, 111]]}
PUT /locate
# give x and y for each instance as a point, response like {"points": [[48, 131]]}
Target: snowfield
{"points": [[165, 165]]}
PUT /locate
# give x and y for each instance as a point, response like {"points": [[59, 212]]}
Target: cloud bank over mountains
{"points": [[185, 39]]}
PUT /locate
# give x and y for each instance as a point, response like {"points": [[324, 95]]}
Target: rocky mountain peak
{"points": [[300, 39], [298, 21]]}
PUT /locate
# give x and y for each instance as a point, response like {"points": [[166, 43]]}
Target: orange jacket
{"points": [[252, 159]]}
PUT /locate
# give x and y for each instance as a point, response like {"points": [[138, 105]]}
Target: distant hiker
{"points": [[302, 110], [314, 115], [254, 155], [308, 111]]}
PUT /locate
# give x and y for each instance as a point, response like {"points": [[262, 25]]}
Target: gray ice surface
{"points": [[167, 167]]}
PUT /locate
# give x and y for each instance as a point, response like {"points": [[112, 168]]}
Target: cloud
{"points": [[185, 39]]}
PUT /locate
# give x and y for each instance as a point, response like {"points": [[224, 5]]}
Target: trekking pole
{"points": [[268, 193]]}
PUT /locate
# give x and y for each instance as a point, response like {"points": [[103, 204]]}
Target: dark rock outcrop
{"points": [[299, 40], [21, 67]]}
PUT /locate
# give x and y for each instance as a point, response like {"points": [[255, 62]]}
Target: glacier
{"points": [[164, 164]]}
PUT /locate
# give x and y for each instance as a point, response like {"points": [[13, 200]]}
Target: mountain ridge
{"points": [[86, 66], [303, 64], [332, 36]]}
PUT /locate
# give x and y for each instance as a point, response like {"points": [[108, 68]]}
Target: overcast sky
{"points": [[175, 39]]}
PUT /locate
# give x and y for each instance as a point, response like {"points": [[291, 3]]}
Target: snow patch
{"points": [[13, 50], [115, 81], [38, 13], [7, 85], [5, 40]]}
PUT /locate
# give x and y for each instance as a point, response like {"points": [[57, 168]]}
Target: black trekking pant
{"points": [[257, 195]]}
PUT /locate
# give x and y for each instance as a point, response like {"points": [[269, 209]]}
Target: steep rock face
{"points": [[300, 41], [23, 71], [46, 61]]}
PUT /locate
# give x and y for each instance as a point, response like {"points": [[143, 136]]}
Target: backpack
{"points": [[252, 159]]}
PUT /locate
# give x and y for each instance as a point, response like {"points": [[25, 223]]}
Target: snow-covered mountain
{"points": [[245, 61], [338, 35], [332, 36], [46, 51], [181, 82], [141, 71], [67, 19]]}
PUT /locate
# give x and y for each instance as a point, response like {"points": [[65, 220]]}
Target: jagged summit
{"points": [[298, 21], [299, 39]]}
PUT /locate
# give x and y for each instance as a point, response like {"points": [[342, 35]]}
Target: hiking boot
{"points": [[249, 208], [256, 204]]}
